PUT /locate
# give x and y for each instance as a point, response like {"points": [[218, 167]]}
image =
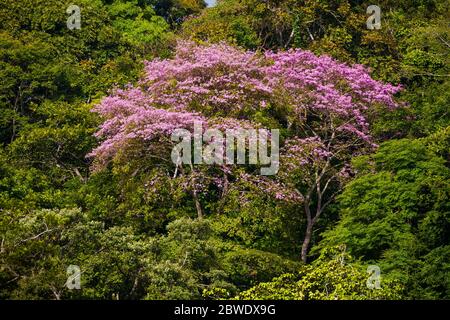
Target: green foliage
{"points": [[118, 262], [396, 214], [176, 11], [32, 260], [335, 278], [133, 240], [41, 59], [254, 220], [229, 21]]}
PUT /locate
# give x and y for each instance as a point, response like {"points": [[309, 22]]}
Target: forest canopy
{"points": [[87, 176]]}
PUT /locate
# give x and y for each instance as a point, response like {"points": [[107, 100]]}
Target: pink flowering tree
{"points": [[323, 108], [327, 107]]}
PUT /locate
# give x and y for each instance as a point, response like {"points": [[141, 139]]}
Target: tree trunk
{"points": [[307, 241], [198, 206]]}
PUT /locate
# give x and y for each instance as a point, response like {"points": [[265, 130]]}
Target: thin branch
{"points": [[443, 41], [38, 235]]}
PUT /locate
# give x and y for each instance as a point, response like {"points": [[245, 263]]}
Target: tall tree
{"points": [[323, 106]]}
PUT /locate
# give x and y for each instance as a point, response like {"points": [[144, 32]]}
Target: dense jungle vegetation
{"points": [[86, 176]]}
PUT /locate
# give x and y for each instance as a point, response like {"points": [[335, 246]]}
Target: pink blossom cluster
{"points": [[129, 116], [309, 151], [218, 77], [223, 86], [324, 86]]}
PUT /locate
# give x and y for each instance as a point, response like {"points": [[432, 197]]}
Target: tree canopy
{"points": [[358, 118]]}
